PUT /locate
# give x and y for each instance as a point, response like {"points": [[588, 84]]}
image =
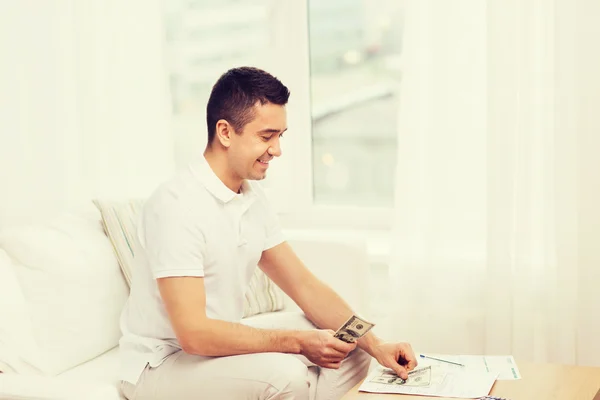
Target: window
{"points": [[354, 72], [204, 38], [340, 60]]}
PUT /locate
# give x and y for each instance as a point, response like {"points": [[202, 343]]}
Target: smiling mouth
{"points": [[263, 162]]}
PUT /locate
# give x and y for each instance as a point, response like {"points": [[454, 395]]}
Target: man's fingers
{"points": [[407, 361], [332, 365], [334, 357], [342, 346], [335, 354], [331, 360], [400, 371], [409, 356]]}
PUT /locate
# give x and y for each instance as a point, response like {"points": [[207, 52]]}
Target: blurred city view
{"points": [[355, 48]]}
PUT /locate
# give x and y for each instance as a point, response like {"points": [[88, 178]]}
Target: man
{"points": [[202, 234]]}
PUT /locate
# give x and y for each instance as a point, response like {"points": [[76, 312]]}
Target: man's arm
{"points": [[321, 304], [185, 302], [326, 309]]}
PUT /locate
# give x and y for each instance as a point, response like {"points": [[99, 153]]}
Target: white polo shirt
{"points": [[192, 225]]}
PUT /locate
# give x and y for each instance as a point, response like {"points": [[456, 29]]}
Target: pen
{"points": [[439, 359]]}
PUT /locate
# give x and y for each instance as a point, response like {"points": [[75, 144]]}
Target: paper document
{"points": [[440, 382], [504, 366]]}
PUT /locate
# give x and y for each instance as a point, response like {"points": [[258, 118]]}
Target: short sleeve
{"points": [[273, 233], [173, 243]]}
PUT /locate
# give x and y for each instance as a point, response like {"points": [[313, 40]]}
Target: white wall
{"points": [[587, 56], [84, 107]]}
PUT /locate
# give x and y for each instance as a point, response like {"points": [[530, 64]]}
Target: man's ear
{"points": [[223, 132]]}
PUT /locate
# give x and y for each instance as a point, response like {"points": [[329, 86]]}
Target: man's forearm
{"points": [[326, 309], [221, 338]]}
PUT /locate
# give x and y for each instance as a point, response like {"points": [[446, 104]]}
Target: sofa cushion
{"points": [[17, 345], [23, 387], [72, 288], [120, 221], [102, 370], [262, 296]]}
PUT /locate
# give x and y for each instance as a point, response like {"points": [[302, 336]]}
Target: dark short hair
{"points": [[236, 92]]}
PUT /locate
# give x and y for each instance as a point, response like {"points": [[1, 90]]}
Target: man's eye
{"points": [[266, 138]]}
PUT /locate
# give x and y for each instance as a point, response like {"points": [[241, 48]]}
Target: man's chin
{"points": [[257, 176]]}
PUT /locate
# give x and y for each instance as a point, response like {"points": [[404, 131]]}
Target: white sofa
{"points": [[62, 291]]}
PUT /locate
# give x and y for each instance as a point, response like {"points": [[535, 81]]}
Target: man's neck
{"points": [[218, 164]]}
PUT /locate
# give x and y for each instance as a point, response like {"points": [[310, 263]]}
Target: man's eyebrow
{"points": [[271, 130]]}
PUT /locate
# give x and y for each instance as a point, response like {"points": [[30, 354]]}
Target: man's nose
{"points": [[275, 149]]}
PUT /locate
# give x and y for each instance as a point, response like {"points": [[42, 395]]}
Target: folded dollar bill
{"points": [[353, 329]]}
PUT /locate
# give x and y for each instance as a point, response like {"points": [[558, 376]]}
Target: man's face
{"points": [[258, 143]]}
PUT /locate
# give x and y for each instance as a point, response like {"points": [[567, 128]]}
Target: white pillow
{"points": [[17, 346], [262, 296], [120, 221], [72, 286]]}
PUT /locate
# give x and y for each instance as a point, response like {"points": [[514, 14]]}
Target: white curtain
{"points": [[84, 103], [494, 229]]}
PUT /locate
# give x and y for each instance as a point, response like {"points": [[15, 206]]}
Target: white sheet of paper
{"points": [[504, 366], [444, 383]]}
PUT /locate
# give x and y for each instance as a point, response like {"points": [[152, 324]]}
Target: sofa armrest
{"points": [[343, 265], [32, 387]]}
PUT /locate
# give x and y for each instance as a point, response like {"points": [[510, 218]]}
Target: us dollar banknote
{"points": [[353, 329], [418, 377]]}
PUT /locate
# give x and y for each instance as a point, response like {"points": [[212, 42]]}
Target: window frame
{"points": [[293, 191]]}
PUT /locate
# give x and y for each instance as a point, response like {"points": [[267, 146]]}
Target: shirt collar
{"points": [[207, 177]]}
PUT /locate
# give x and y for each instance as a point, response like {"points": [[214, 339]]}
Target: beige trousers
{"points": [[260, 376]]}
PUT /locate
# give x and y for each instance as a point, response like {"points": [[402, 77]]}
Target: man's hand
{"points": [[397, 356], [321, 348]]}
